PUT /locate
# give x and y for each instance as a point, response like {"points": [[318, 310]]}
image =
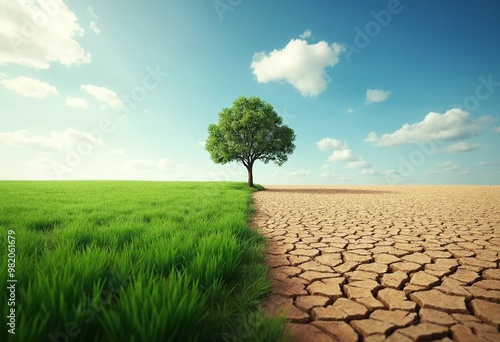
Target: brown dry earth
{"points": [[368, 263]]}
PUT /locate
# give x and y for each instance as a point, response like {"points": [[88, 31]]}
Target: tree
{"points": [[248, 131]]}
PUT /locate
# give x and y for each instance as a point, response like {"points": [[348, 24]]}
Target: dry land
{"points": [[374, 263]]}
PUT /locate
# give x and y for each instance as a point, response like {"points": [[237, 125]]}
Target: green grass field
{"points": [[134, 261]]}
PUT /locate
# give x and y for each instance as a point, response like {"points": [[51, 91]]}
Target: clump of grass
{"points": [[43, 225], [157, 309], [136, 261]]}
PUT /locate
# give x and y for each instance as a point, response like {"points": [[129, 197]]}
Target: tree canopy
{"points": [[250, 130]]}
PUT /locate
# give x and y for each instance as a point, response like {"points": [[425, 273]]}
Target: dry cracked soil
{"points": [[380, 263]]}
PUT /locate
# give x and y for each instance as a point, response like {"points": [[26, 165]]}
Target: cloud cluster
{"points": [[377, 95], [164, 164], [93, 24], [76, 102], [55, 141], [460, 147], [94, 28], [339, 177], [360, 163], [36, 33], [291, 174], [340, 150], [327, 144], [384, 173], [448, 166], [342, 153], [307, 34], [453, 125], [30, 87], [300, 64], [107, 97]]}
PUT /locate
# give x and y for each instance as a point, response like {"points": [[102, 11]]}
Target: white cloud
{"points": [[390, 172], [327, 175], [448, 166], [452, 125], [372, 137], [139, 164], [377, 95], [166, 165], [107, 97], [464, 172], [227, 172], [93, 24], [371, 172], [326, 144], [30, 87], [202, 143], [341, 152], [497, 129], [350, 110], [307, 34], [301, 173], [359, 164], [55, 141], [460, 147], [94, 28], [92, 12], [484, 163], [116, 151], [76, 102], [340, 177], [298, 63], [36, 33], [495, 166], [147, 164], [341, 155]]}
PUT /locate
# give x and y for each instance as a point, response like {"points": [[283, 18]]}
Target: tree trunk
{"points": [[250, 176]]}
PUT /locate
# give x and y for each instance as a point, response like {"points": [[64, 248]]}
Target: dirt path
{"points": [[378, 263]]}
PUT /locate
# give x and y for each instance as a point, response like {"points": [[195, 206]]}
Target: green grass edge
{"points": [[244, 322], [267, 327]]}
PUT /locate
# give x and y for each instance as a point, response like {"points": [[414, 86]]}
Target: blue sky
{"points": [[379, 92]]}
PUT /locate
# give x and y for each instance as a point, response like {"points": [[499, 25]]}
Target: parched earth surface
{"points": [[368, 263]]}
